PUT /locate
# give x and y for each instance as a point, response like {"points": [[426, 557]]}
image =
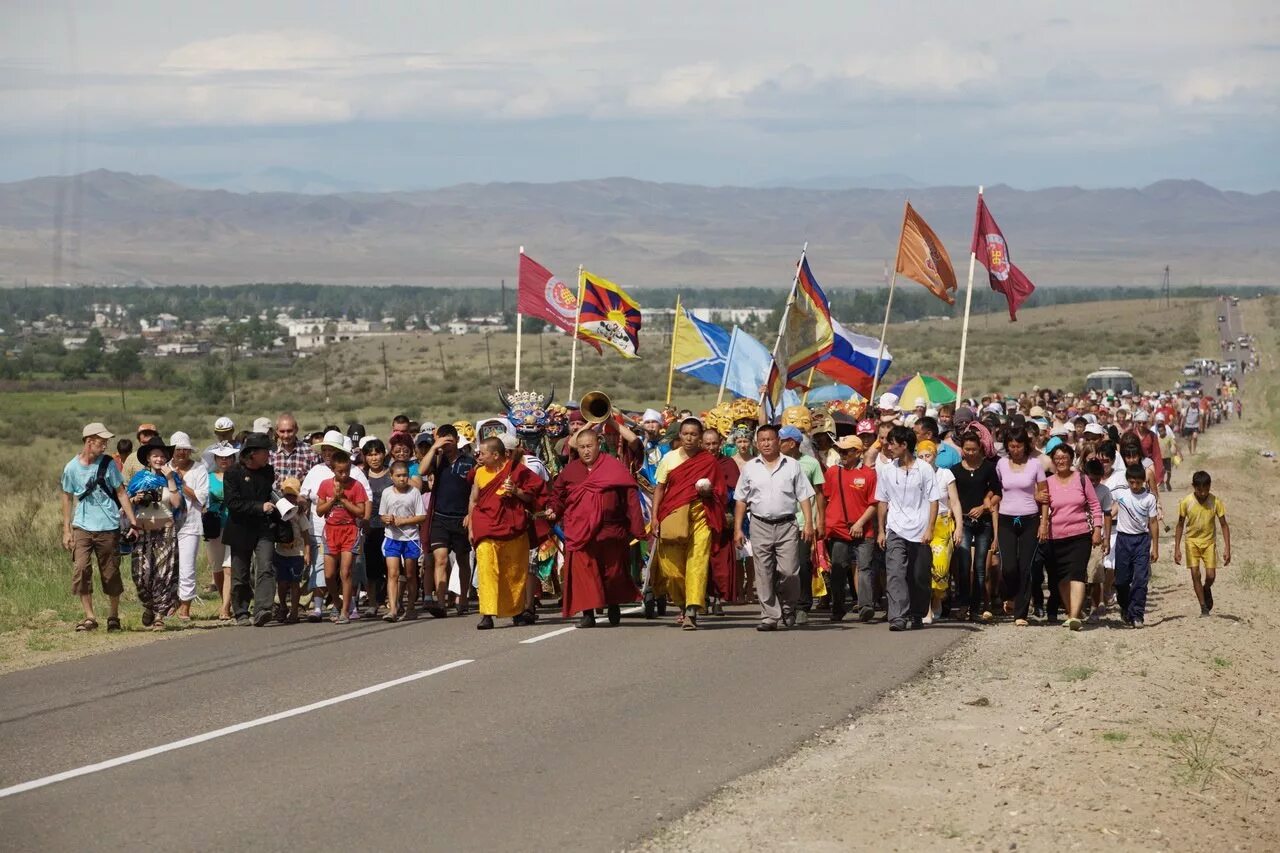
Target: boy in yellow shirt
{"points": [[1197, 513]]}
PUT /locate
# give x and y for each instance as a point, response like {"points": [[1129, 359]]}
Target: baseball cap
{"points": [[866, 425], [1095, 429], [849, 442], [96, 429], [425, 437], [356, 431], [224, 424], [262, 425], [790, 432], [147, 428]]}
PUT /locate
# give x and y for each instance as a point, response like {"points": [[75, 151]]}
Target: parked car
{"points": [[1191, 370]]}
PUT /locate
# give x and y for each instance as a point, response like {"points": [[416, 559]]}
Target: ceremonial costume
{"points": [[600, 512], [500, 532], [683, 563]]}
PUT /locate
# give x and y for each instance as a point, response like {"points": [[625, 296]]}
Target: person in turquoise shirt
{"points": [[93, 500]]}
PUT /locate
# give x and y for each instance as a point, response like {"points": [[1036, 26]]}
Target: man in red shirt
{"points": [[850, 491]]}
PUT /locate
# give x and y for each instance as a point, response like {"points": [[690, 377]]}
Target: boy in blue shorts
{"points": [[1136, 512], [291, 557], [402, 511]]}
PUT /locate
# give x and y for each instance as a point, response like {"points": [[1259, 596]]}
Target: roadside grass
{"points": [[1077, 673], [1221, 662], [1201, 758], [1258, 575], [1115, 737]]}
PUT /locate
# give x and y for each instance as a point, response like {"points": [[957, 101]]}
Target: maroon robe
{"points": [[600, 515], [723, 569], [505, 516]]}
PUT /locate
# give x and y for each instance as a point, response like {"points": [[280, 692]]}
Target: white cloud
{"points": [[264, 51]]}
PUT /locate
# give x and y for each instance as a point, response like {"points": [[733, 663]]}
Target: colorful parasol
{"points": [[827, 393], [934, 390]]}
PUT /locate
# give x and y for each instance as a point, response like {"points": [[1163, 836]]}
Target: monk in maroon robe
{"points": [[597, 500], [723, 575]]}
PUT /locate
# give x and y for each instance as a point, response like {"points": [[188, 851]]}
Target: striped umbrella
{"points": [[934, 390]]}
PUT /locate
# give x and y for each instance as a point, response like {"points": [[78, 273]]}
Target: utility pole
{"points": [[487, 356], [444, 371], [325, 362], [504, 299], [1166, 286], [386, 370], [541, 361]]}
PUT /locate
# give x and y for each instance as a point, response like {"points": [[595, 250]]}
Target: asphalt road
{"points": [[586, 740]]}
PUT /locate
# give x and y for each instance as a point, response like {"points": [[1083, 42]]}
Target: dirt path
{"points": [[1040, 739]]}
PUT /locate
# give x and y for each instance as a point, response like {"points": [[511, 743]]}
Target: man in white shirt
{"points": [[907, 492], [771, 487]]}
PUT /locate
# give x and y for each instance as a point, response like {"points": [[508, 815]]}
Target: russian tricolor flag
{"points": [[853, 360]]}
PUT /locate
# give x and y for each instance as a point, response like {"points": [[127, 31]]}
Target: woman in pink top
{"points": [[1022, 523], [1075, 529]]}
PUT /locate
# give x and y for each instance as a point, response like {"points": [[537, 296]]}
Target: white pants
{"points": [[188, 551]]}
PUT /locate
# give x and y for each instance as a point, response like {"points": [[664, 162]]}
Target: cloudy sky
{"points": [[395, 94]]}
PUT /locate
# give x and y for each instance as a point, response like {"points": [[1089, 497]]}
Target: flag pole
{"points": [[577, 319], [519, 322], [728, 357], [671, 367], [782, 324], [964, 330], [884, 327], [808, 384]]}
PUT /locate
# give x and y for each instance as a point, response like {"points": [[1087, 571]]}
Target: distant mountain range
{"points": [[120, 227]]}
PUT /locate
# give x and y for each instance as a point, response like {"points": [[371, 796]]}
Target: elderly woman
{"points": [[195, 492], [1075, 529], [156, 495]]}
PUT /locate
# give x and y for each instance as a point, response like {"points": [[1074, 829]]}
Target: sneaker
{"points": [[1208, 598], [789, 619], [917, 623], [836, 614], [244, 621], [1138, 623], [1204, 611], [866, 614], [1073, 624], [801, 617], [615, 614], [587, 619], [899, 626], [717, 608], [927, 619], [262, 618], [767, 626]]}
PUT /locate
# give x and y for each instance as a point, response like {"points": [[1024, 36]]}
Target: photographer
{"points": [[156, 495], [250, 530]]}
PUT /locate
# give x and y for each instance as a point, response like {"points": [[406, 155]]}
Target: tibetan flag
{"points": [[807, 338], [545, 296], [609, 315], [993, 253], [853, 360], [923, 258], [699, 348]]}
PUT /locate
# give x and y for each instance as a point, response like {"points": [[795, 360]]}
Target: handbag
{"points": [[676, 526], [212, 523], [1084, 495]]}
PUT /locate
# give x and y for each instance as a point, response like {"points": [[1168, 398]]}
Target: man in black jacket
{"points": [[249, 533]]}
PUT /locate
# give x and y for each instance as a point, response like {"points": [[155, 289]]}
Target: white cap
{"points": [[509, 441], [888, 401], [920, 403], [181, 441], [1095, 429], [1061, 429], [651, 415], [224, 424], [262, 425], [1141, 415], [366, 440]]}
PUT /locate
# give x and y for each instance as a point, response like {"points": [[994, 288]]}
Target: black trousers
{"points": [[253, 578], [1018, 550]]}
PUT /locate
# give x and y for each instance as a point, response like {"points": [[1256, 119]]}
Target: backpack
{"points": [[100, 482]]}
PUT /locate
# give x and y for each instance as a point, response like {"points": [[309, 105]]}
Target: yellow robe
{"points": [[683, 566], [502, 566]]}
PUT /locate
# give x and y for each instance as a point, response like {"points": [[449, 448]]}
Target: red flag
{"points": [[993, 253], [545, 296]]}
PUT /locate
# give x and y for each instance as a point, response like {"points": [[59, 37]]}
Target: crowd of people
{"points": [[1045, 506]]}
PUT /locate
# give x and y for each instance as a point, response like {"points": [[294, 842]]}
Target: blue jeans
{"points": [[971, 561], [1133, 574]]}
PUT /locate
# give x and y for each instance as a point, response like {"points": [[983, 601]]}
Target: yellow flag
{"points": [[923, 258]]}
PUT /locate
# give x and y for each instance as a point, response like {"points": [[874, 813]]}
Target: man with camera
{"points": [[250, 531]]}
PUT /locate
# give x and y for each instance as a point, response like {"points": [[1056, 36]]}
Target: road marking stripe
{"points": [[223, 732], [547, 636]]}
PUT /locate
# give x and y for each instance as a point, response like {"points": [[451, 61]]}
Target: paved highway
{"points": [[422, 735]]}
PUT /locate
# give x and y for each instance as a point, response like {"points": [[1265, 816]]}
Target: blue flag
{"points": [[748, 368], [699, 348]]}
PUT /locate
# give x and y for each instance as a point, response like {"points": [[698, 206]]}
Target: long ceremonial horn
{"points": [[551, 395], [504, 399]]}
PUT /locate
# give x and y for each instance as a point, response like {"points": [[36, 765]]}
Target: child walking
{"points": [[1136, 512], [291, 557], [342, 502], [402, 511], [1197, 513]]}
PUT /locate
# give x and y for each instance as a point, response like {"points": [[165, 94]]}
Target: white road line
{"points": [[223, 732], [547, 636]]}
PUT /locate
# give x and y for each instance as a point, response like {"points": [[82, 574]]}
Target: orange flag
{"points": [[922, 257]]}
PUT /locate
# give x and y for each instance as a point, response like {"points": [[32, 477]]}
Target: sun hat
{"points": [[97, 429], [790, 432], [254, 441], [1037, 412], [888, 402], [849, 442], [1095, 429], [223, 448], [154, 443], [180, 441], [224, 424], [333, 440], [920, 403]]}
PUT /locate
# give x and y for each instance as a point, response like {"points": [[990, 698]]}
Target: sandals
{"points": [[113, 623], [1021, 623], [391, 616], [87, 624], [157, 625]]}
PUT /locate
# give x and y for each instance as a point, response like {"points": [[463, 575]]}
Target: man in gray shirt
{"points": [[771, 487]]}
